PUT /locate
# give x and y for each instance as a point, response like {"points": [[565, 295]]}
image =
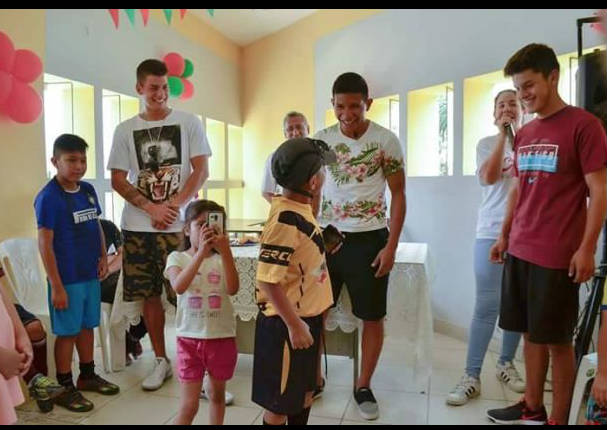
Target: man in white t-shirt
{"points": [[294, 125], [159, 161], [369, 157]]}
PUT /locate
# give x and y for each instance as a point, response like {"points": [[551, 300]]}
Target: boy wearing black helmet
{"points": [[293, 287]]}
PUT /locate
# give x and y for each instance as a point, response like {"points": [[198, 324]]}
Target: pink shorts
{"points": [[216, 356]]}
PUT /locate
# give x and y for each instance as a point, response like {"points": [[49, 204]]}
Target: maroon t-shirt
{"points": [[552, 156]]}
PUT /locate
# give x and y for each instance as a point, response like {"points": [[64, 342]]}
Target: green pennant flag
{"points": [[168, 14], [131, 14], [211, 12]]}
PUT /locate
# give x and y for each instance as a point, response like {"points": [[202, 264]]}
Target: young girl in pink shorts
{"points": [[204, 276]]}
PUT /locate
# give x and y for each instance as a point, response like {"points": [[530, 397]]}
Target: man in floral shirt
{"points": [[368, 157]]}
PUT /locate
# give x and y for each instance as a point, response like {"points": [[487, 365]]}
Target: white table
{"points": [[409, 317]]}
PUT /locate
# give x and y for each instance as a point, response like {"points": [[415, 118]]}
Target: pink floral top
{"points": [[354, 191]]}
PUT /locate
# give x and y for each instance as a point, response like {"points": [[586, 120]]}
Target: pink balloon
{"points": [[175, 64], [188, 89], [24, 103], [7, 53], [6, 85], [27, 66]]}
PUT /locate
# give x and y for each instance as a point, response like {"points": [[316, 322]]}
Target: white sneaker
{"points": [[161, 372], [508, 374], [229, 396], [467, 388]]}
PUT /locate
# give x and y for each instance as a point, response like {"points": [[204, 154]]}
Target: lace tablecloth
{"points": [[408, 320], [409, 316]]}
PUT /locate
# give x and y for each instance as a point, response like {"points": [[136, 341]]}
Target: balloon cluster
{"points": [[179, 70], [601, 26], [18, 68]]}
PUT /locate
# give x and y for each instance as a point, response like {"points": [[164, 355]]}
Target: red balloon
{"points": [[175, 64], [27, 66], [7, 53], [6, 85], [188, 89], [24, 103]]}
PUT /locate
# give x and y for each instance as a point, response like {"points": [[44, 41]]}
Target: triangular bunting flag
{"points": [[211, 12], [168, 14], [145, 15], [115, 17], [131, 14], [182, 12]]}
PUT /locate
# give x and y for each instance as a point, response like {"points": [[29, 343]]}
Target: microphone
{"points": [[509, 131]]}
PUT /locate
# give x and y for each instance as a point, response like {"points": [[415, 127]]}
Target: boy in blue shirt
{"points": [[70, 240]]}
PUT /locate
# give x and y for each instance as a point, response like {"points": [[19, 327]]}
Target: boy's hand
{"points": [[102, 268], [59, 298], [300, 335], [12, 363], [581, 267], [162, 214], [385, 259], [496, 253], [599, 390]]}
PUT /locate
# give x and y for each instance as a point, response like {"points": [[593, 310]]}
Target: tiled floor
{"points": [[401, 402]]}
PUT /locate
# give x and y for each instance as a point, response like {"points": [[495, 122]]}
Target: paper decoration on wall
{"points": [[168, 14], [600, 26], [131, 14], [114, 13], [145, 15], [211, 12], [179, 70], [18, 68]]}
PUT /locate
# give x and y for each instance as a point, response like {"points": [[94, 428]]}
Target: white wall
{"points": [[84, 45], [400, 50]]}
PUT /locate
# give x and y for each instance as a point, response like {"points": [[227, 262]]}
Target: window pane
{"points": [[69, 108], [218, 196], [116, 108], [383, 111], [217, 138], [330, 118], [430, 131], [235, 152], [236, 197]]}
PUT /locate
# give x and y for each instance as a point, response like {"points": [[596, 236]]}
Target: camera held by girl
{"points": [[204, 275]]}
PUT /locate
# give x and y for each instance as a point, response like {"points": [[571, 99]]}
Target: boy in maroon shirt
{"points": [[549, 232]]}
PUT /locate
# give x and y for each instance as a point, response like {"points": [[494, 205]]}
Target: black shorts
{"points": [[539, 301], [276, 388], [352, 265], [25, 316]]}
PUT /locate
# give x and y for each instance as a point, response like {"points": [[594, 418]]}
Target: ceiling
{"points": [[244, 26]]}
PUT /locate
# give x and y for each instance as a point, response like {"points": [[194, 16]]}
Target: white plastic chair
{"points": [[20, 259], [583, 382]]}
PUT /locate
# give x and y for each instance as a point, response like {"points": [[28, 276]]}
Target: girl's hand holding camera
{"points": [[222, 244], [206, 241]]}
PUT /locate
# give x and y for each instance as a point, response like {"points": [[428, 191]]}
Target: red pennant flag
{"points": [[145, 15], [115, 17], [182, 12]]}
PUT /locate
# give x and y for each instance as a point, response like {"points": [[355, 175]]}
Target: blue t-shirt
{"points": [[73, 218]]}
